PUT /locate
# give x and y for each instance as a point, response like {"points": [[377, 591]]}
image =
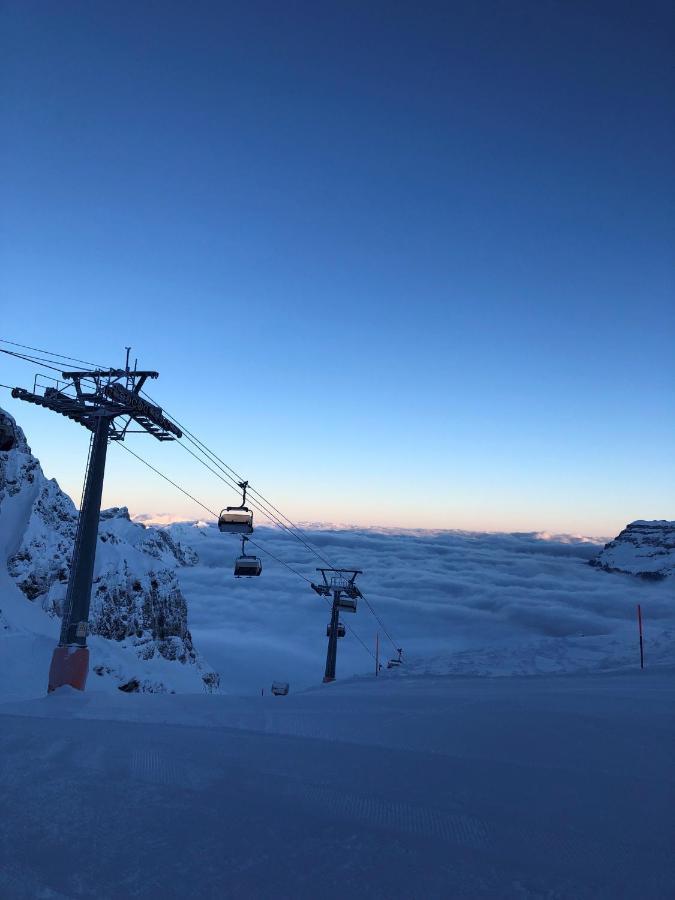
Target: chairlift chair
{"points": [[246, 565], [237, 519], [347, 604], [240, 522], [396, 661], [280, 688]]}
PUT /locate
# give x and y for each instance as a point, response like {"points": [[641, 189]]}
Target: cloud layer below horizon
{"points": [[456, 601]]}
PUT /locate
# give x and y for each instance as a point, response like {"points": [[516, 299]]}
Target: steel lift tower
{"points": [[340, 584], [95, 399]]}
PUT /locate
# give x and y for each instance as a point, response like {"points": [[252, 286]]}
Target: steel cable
{"points": [[215, 459], [255, 543], [261, 504]]}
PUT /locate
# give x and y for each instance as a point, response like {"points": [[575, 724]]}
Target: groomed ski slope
{"points": [[408, 786]]}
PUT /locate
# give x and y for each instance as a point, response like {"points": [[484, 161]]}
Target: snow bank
{"points": [[512, 788]]}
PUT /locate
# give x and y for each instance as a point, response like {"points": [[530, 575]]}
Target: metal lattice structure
{"points": [[107, 403], [88, 396]]}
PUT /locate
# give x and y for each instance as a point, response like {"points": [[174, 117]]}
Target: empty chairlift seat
{"points": [[236, 521], [280, 688], [247, 566], [347, 604]]}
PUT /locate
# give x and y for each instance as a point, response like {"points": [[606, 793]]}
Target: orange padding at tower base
{"points": [[70, 665]]}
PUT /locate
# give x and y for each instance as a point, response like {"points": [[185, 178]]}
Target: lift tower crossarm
{"points": [[336, 579], [94, 399], [111, 373], [110, 399]]}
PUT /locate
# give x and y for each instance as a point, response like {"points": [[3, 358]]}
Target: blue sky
{"points": [[400, 264]]}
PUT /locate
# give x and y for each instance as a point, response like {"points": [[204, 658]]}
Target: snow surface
{"points": [[404, 786]]}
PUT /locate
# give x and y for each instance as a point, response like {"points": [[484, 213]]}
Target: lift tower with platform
{"points": [[95, 399], [338, 583]]}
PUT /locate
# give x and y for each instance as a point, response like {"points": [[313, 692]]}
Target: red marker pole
{"points": [[642, 652]]}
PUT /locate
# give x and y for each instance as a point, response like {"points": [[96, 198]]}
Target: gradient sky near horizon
{"points": [[399, 264]]}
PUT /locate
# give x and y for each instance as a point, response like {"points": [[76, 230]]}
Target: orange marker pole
{"points": [[642, 651]]}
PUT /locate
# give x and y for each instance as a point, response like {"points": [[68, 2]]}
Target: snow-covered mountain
{"points": [[138, 621], [643, 548]]}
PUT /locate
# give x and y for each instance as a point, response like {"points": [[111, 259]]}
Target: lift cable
{"points": [[379, 620], [255, 543], [51, 353], [204, 506], [33, 359], [264, 549], [41, 362], [253, 503], [269, 553], [227, 479], [276, 515], [257, 504], [217, 461], [262, 504], [46, 364], [194, 440], [166, 478]]}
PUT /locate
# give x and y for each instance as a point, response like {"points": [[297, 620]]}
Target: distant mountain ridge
{"points": [[136, 599], [643, 548]]}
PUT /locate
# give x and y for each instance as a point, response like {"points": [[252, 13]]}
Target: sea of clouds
{"points": [[457, 602]]}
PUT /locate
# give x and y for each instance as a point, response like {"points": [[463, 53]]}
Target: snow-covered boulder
{"points": [[136, 599], [643, 548]]}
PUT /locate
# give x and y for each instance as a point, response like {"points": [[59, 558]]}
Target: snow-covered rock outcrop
{"points": [[136, 602], [643, 548]]}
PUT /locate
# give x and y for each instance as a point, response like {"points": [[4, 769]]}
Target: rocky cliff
{"points": [[646, 549], [137, 604]]}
